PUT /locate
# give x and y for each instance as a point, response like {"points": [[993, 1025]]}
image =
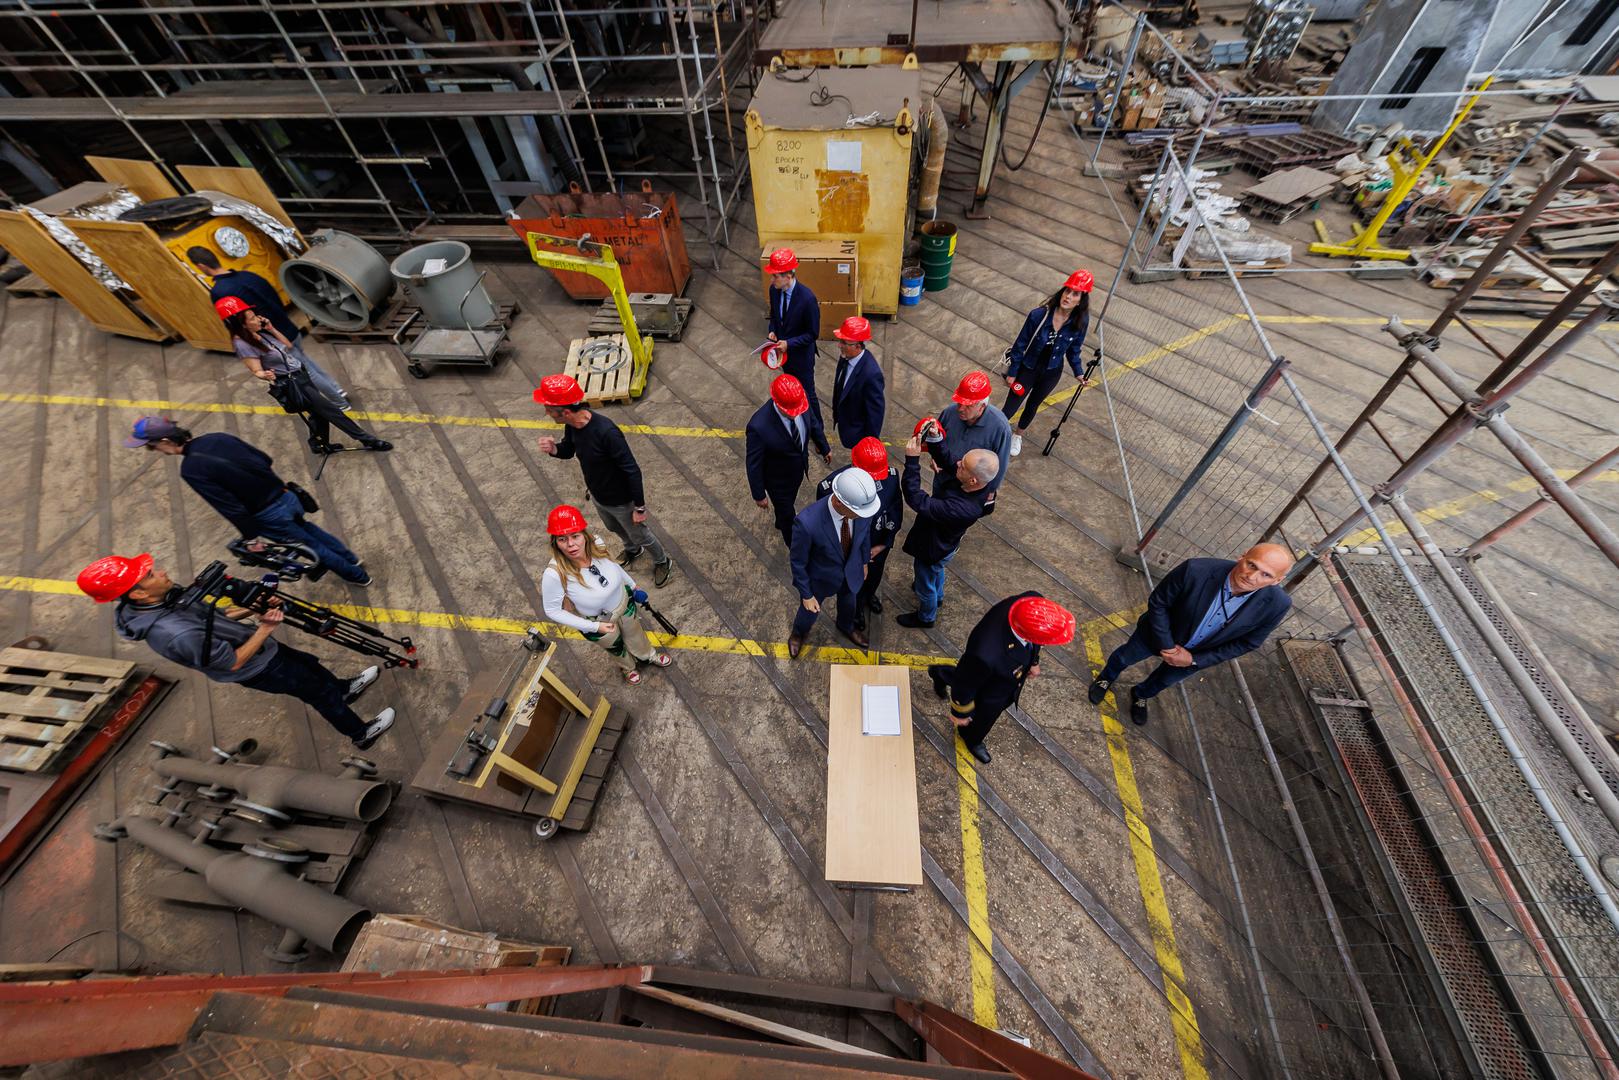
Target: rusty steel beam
{"points": [[961, 1042]]}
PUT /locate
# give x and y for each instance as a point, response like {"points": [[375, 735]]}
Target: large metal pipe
{"points": [[279, 788], [257, 885], [927, 196]]}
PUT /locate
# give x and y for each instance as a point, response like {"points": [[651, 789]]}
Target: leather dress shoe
{"points": [[856, 635], [979, 751], [936, 672], [795, 645], [876, 605]]}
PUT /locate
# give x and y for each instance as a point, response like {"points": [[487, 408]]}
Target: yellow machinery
{"points": [[1406, 177], [532, 748], [612, 367]]}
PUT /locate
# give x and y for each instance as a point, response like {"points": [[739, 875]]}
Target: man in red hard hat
{"points": [[779, 436], [612, 475], [218, 643], [968, 423], [1002, 653], [795, 318], [857, 388], [871, 457]]}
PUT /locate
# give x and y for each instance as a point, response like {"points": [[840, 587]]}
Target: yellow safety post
{"points": [[1364, 245], [589, 257]]}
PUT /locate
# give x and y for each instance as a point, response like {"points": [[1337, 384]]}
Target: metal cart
{"points": [[463, 346]]}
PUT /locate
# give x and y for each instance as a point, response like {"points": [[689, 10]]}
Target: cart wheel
{"points": [[545, 828], [416, 370]]}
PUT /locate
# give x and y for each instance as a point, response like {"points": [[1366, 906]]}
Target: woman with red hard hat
{"points": [[585, 589], [795, 320], [871, 457], [274, 359], [1002, 653], [1052, 335]]}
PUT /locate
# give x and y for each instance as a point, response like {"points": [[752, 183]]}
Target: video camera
{"points": [[261, 595]]}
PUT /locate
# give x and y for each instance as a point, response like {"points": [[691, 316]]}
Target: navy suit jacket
{"points": [[885, 524], [799, 329], [1182, 598], [858, 412], [775, 464], [819, 568]]}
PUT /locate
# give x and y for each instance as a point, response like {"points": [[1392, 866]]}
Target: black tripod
{"points": [[1056, 431], [321, 446]]}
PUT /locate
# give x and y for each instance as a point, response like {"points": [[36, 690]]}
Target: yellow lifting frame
{"points": [[596, 259], [1364, 245]]}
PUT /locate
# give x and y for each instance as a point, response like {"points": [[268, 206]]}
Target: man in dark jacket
{"points": [[795, 318], [245, 285], [217, 643], [942, 519], [857, 388], [831, 546], [871, 456], [1204, 612], [236, 479], [1002, 653], [612, 475], [779, 436]]}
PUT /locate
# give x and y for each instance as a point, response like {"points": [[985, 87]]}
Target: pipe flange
{"points": [[215, 792], [280, 957], [109, 831], [360, 768], [164, 749], [210, 825], [259, 815], [277, 849], [163, 791], [174, 814]]}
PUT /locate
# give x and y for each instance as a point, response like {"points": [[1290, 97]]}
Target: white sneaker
{"points": [[375, 729], [1017, 445], [360, 682]]}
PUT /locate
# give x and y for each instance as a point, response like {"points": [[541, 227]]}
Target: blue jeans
{"points": [[1134, 651], [284, 520], [928, 584]]}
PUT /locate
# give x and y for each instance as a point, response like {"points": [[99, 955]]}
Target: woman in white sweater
{"points": [[585, 589]]}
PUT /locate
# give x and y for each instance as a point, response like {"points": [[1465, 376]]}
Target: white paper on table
{"points": [[842, 155], [879, 710]]}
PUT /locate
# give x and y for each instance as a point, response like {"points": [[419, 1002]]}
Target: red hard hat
{"points": [[1042, 621], [1081, 280], [231, 305], [773, 354], [920, 424], [854, 328], [974, 387], [788, 394], [565, 520], [559, 390], [781, 260], [871, 455], [106, 580]]}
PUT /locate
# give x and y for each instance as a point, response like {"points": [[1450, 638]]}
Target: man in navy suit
{"points": [[857, 389], [778, 439], [795, 318], [830, 548], [1204, 612], [872, 456]]}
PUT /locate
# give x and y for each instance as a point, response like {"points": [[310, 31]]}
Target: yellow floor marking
{"points": [[980, 939], [1183, 1017], [1463, 503]]}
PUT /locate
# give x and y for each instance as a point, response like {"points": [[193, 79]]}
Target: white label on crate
{"points": [[842, 156], [843, 268]]}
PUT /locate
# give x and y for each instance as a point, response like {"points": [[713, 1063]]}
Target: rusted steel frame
{"points": [[1553, 319], [1478, 335], [1495, 392], [1548, 191], [1536, 508], [51, 1021], [1589, 522], [1521, 916], [756, 986], [894, 55], [961, 1042]]}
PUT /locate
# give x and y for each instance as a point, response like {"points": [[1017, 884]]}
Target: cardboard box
{"points": [[831, 269]]}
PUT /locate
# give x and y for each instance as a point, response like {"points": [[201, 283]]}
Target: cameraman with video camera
{"points": [[219, 644]]}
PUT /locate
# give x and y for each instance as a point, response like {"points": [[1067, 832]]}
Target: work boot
{"points": [[914, 620], [1098, 690], [360, 683], [375, 729]]}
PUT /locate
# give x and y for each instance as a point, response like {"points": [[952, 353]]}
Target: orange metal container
{"points": [[643, 229]]}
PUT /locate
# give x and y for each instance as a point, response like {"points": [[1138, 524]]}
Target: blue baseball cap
{"points": [[151, 429]]}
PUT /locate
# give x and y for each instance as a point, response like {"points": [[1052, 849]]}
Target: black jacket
{"points": [[993, 666], [612, 475], [234, 477], [1179, 602], [858, 411], [885, 524], [253, 289], [942, 519], [776, 466]]}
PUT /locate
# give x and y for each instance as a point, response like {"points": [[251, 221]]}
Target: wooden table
{"points": [[873, 837]]}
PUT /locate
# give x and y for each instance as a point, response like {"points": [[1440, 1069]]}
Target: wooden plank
{"points": [[243, 183], [167, 287], [873, 834], [781, 1032], [43, 660], [28, 241], [144, 178], [39, 733], [600, 386]]}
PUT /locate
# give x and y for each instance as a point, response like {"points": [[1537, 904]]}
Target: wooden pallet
{"points": [[48, 698], [621, 383], [31, 284], [606, 320], [1196, 270], [389, 322]]}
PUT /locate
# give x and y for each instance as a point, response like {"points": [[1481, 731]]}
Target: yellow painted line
{"points": [[158, 405], [1462, 504], [1182, 1016], [981, 938]]}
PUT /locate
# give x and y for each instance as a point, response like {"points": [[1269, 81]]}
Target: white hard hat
{"points": [[858, 491]]}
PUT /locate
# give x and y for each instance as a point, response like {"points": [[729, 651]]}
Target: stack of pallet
{"points": [[47, 699]]}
